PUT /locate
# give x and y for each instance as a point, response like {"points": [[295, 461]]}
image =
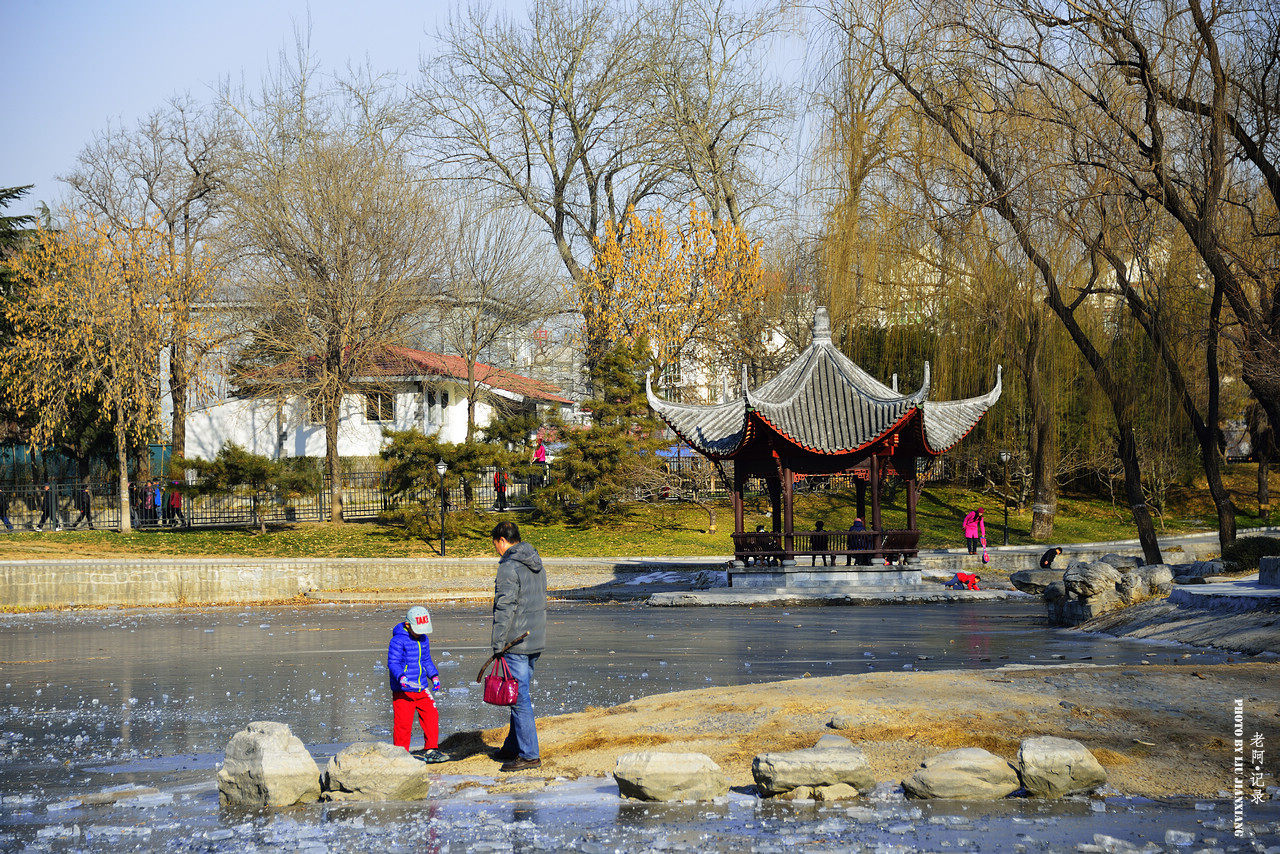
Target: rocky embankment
{"points": [[1155, 730], [1183, 603]]}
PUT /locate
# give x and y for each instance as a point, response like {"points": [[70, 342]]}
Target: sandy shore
{"points": [[1158, 730]]}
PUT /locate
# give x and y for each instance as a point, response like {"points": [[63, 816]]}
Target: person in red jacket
{"points": [[413, 677], [500, 487]]}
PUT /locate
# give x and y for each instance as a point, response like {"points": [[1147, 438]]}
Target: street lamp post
{"points": [[1005, 456], [441, 468]]}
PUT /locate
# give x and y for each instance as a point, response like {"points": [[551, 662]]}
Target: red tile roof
{"points": [[404, 361]]}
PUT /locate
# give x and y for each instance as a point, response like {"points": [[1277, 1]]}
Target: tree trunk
{"points": [[332, 461], [1044, 445], [1263, 437], [1209, 436], [122, 456], [471, 398], [178, 383], [1264, 492], [1128, 450]]}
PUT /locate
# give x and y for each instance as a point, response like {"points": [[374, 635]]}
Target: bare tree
{"points": [[336, 234], [494, 286], [713, 101], [548, 113], [169, 169], [952, 86], [590, 109]]}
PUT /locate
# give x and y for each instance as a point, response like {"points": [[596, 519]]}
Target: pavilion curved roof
{"points": [[825, 404]]}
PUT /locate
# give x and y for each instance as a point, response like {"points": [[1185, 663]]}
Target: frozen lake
{"points": [[93, 700]]}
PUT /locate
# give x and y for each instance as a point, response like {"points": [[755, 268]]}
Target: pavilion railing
{"points": [[769, 547]]}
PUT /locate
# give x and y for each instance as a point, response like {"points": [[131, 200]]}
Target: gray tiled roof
{"points": [[824, 402], [716, 430], [947, 422]]}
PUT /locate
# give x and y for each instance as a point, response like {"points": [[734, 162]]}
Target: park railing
{"points": [[365, 495]]}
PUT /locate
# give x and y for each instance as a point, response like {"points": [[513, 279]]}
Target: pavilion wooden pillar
{"points": [[860, 486], [875, 493], [739, 483], [788, 484], [911, 494]]}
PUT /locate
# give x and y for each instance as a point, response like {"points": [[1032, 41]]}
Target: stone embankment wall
{"points": [[176, 581], [173, 581]]}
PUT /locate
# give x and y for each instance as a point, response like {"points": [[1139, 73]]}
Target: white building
{"points": [[423, 390]]}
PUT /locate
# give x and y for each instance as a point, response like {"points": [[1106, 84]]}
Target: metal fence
{"points": [[365, 495]]}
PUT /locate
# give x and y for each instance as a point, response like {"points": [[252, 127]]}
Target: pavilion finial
{"points": [[822, 325]]}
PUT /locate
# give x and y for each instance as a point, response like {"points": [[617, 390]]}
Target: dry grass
{"points": [[1110, 758], [604, 740]]}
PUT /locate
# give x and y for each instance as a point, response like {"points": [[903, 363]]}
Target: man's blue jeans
{"points": [[522, 738]]}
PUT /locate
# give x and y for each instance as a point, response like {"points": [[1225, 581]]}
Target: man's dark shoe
{"points": [[504, 756], [521, 764]]}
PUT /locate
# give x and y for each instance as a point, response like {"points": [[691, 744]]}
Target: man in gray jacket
{"points": [[519, 606]]}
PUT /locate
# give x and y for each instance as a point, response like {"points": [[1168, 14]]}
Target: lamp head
{"points": [[441, 468]]}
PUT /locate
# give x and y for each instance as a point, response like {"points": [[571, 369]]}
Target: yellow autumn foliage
{"points": [[675, 285]]}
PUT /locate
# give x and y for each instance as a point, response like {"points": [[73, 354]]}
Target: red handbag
{"points": [[500, 687]]}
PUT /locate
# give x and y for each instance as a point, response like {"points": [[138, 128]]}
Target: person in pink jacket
{"points": [[975, 529]]}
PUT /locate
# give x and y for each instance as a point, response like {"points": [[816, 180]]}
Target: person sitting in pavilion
{"points": [[820, 543]]}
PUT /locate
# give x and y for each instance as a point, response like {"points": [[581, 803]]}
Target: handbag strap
{"points": [[498, 656]]}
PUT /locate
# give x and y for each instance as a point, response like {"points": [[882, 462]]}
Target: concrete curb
{"points": [[747, 598], [1241, 594]]}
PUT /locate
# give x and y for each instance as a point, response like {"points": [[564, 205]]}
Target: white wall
{"points": [[256, 425]]}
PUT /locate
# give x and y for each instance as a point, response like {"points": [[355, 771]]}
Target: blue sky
{"points": [[69, 68]]}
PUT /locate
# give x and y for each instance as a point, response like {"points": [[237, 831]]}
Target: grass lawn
{"points": [[665, 528]]}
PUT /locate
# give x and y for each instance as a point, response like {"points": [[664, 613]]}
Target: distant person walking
{"points": [[540, 459], [519, 606], [4, 509], [48, 509], [84, 503], [174, 507], [1046, 559], [500, 488], [135, 501], [975, 530]]}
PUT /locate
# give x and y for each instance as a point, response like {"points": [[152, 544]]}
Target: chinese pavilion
{"points": [[824, 415]]}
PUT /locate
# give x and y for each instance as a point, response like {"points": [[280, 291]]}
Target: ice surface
{"points": [[328, 682]]}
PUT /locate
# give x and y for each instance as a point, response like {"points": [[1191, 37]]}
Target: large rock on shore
{"points": [[651, 775], [1121, 562], [266, 765], [1034, 581], [832, 761], [1090, 580], [969, 773], [1051, 767], [376, 771], [1159, 578], [1190, 573], [1091, 589]]}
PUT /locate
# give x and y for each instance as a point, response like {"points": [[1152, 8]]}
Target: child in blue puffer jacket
{"points": [[411, 669]]}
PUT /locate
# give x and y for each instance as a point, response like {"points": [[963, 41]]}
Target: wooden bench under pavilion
{"points": [[824, 415]]}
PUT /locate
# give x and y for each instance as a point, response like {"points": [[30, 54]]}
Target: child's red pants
{"points": [[406, 704]]}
